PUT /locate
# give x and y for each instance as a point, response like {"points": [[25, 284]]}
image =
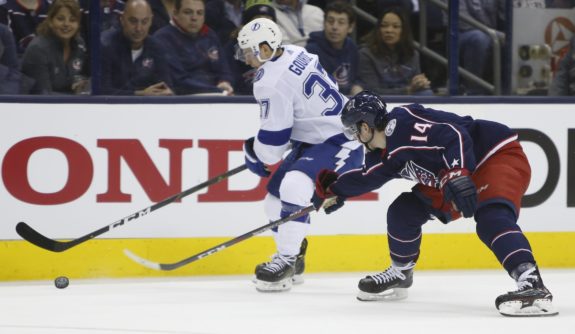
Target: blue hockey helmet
{"points": [[365, 107]]}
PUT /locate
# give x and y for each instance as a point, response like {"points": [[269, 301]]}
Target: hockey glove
{"points": [[323, 196], [458, 187], [252, 162]]}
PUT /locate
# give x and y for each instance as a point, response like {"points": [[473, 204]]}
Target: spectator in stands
{"points": [[388, 62], [23, 17], [8, 55], [475, 46], [297, 20], [134, 63], [112, 9], [197, 63], [337, 52], [243, 74], [224, 16], [564, 81], [9, 76], [57, 57]]}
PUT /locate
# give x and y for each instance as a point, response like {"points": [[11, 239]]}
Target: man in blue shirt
{"points": [[134, 63], [337, 52], [197, 63]]}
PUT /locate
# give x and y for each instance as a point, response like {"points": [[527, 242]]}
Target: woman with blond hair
{"points": [[57, 57]]}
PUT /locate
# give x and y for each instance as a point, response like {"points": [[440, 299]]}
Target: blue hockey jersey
{"points": [[197, 64], [23, 21], [423, 143]]}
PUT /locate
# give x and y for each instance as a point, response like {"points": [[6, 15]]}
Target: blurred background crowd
{"points": [[187, 47]]}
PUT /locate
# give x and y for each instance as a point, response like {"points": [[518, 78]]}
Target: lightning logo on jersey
{"points": [[342, 155]]}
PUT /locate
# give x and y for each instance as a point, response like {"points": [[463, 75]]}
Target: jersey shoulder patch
{"points": [[259, 74], [390, 127]]}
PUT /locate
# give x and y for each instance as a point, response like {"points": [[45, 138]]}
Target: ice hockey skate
{"points": [[391, 284], [276, 275], [531, 299], [299, 264]]}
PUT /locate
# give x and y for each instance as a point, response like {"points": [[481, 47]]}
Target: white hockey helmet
{"points": [[257, 32]]}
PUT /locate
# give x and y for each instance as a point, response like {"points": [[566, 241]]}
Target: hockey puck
{"points": [[61, 282]]}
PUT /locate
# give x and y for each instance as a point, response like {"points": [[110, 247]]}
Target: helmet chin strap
{"points": [[270, 58]]}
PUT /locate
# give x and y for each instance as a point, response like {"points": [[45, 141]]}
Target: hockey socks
{"points": [[280, 273], [497, 228]]}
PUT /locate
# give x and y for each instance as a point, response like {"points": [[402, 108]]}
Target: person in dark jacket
{"points": [[224, 16], [475, 45], [23, 17], [9, 78], [197, 63], [337, 52], [8, 56], [134, 63], [57, 58]]}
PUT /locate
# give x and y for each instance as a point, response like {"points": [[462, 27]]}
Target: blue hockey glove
{"points": [[323, 196], [458, 187], [252, 162]]}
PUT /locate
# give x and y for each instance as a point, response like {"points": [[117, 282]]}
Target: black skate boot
{"points": [[391, 284], [275, 275], [531, 299], [300, 263]]}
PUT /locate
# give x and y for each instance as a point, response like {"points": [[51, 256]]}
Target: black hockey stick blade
{"points": [[31, 235], [34, 237], [215, 249]]}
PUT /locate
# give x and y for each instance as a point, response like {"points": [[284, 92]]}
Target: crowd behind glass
{"points": [[187, 47]]}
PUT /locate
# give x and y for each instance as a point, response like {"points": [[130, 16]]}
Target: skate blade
{"points": [[297, 279], [279, 286], [388, 295], [540, 308]]}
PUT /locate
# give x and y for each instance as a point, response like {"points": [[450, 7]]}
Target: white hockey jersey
{"points": [[298, 101]]}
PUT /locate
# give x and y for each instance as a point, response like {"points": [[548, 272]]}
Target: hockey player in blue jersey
{"points": [[462, 166], [300, 109]]}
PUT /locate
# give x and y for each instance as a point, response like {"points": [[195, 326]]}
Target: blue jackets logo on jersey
{"points": [[148, 62], [416, 173], [213, 54], [390, 127]]}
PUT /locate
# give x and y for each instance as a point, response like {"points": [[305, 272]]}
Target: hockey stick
{"points": [[220, 247], [34, 237]]}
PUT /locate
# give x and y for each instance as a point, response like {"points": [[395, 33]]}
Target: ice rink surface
{"points": [[439, 302]]}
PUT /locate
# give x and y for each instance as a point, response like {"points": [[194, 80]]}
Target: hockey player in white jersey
{"points": [[299, 111]]}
